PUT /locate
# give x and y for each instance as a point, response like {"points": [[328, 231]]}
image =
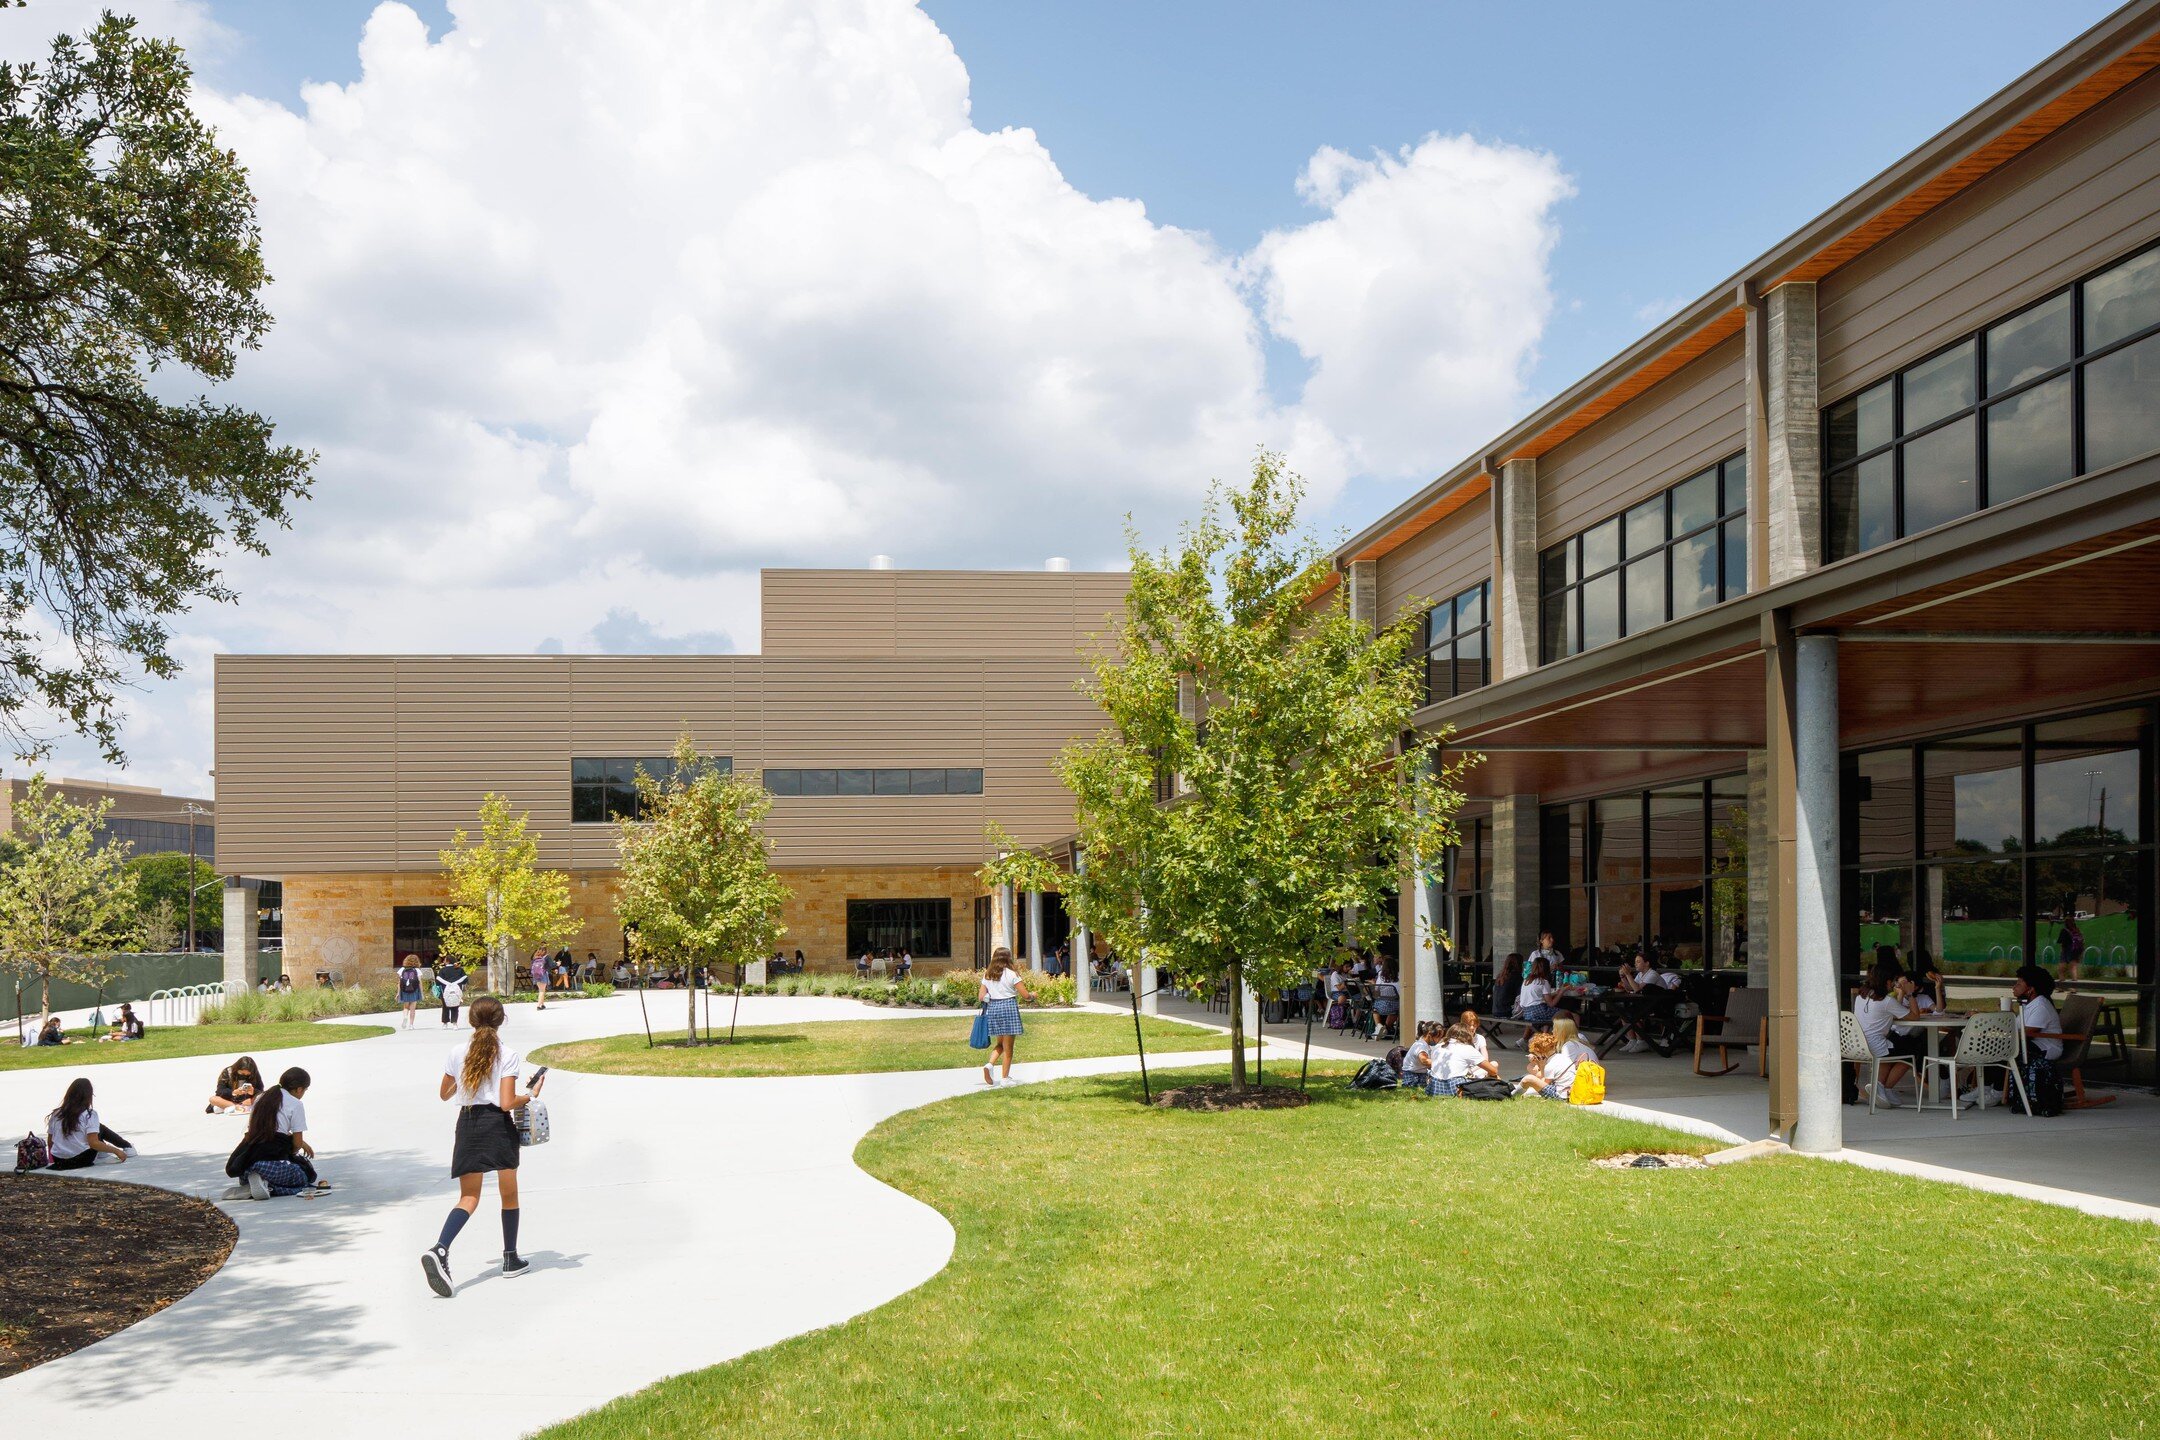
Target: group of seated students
{"points": [[1889, 998], [1444, 1057], [272, 1158], [126, 1026]]}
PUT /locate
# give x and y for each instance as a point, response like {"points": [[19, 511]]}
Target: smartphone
{"points": [[536, 1075]]}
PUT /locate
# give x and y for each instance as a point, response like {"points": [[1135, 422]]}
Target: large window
{"points": [[1665, 867], [1458, 657], [416, 930], [2029, 844], [603, 790], [1682, 550], [152, 837], [923, 928], [2068, 385], [875, 782], [1466, 885]]}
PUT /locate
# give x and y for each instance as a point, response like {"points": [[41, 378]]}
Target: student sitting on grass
{"points": [[130, 1026], [1567, 1054], [274, 1157], [237, 1086], [52, 1034], [1541, 1047], [1468, 1021], [1417, 1060], [74, 1136], [1458, 1061]]}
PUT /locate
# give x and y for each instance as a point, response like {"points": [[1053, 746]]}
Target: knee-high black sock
{"points": [[450, 1227], [510, 1231]]}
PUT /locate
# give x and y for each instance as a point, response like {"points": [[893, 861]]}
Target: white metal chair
{"points": [[1992, 1039], [1853, 1050]]}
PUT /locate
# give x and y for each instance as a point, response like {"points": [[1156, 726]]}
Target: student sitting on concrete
{"points": [[274, 1157], [75, 1137], [237, 1086]]}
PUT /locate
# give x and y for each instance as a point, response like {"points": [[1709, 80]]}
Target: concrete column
{"points": [[1781, 861], [1035, 929], [1423, 916], [1761, 851], [1515, 570], [242, 932], [1516, 902], [1006, 931], [1361, 582], [1083, 944], [1819, 1125], [1792, 433]]}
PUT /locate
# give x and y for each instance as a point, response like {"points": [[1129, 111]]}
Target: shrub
{"points": [[253, 1008], [597, 989]]}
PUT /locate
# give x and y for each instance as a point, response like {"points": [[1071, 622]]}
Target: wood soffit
{"points": [[1925, 196]]}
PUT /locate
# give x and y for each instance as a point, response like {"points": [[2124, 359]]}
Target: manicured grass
{"points": [[1387, 1267], [167, 1042], [863, 1047]]}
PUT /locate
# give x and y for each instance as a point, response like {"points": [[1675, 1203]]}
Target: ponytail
{"points": [[485, 1049]]}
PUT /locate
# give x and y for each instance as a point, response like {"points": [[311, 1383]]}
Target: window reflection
{"points": [[2087, 781], [1971, 802]]}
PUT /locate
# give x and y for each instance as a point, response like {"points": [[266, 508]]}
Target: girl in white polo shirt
{"points": [[482, 1075]]}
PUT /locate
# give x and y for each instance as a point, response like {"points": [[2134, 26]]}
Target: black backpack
{"points": [[1484, 1088], [1375, 1075], [2043, 1086]]}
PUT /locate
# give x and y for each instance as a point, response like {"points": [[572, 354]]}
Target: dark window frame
{"points": [[1730, 516], [1900, 439], [928, 921], [1446, 647], [595, 796], [879, 782]]}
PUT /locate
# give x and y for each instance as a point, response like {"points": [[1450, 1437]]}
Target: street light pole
{"points": [[191, 810]]}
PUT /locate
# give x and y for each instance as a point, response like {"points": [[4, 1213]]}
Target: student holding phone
{"points": [[482, 1075]]}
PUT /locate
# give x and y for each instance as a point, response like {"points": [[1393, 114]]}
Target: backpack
{"points": [[31, 1154], [1588, 1087], [1375, 1075], [532, 1124], [1395, 1058], [2043, 1086], [1336, 1017], [1484, 1087]]}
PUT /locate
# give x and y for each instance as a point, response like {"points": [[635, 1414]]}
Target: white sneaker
{"points": [[258, 1188], [1635, 1046], [1886, 1099], [1971, 1099], [1007, 1081]]}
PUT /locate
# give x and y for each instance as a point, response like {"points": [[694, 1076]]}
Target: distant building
{"points": [[145, 817]]}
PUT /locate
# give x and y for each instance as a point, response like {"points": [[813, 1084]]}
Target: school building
{"points": [[1827, 616], [892, 714]]}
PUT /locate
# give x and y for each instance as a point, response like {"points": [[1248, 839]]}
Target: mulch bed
{"points": [[1222, 1097], [81, 1259], [1642, 1160]]}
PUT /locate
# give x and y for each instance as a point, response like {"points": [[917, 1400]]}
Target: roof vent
{"points": [[1057, 562], [881, 562]]}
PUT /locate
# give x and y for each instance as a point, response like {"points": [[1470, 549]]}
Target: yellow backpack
{"points": [[1588, 1087]]}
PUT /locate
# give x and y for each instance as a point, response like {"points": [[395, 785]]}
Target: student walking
{"points": [[482, 1075], [539, 978], [450, 978], [75, 1137], [408, 991], [1002, 991]]}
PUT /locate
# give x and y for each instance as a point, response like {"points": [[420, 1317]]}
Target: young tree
{"points": [[1283, 719], [128, 245], [162, 883], [1024, 871], [67, 899], [697, 872], [501, 896]]}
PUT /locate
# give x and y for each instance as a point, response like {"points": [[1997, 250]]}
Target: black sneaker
{"points": [[514, 1264], [436, 1265]]}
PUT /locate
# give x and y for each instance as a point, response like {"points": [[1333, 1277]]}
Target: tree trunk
{"points": [[1237, 1024], [691, 988], [498, 958]]}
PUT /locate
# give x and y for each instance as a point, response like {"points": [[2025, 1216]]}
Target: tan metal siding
{"points": [[2064, 207], [933, 612], [1443, 561], [1674, 429], [306, 761]]}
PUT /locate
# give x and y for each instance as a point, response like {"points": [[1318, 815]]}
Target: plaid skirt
{"points": [[1004, 1017]]}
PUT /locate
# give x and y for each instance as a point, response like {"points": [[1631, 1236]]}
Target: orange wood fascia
{"points": [[1426, 518]]}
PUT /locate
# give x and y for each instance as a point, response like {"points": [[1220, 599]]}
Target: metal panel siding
{"points": [[2066, 206], [305, 756], [934, 612], [1691, 420], [1443, 561]]}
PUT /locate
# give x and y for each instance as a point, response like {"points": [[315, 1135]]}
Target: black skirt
{"points": [[486, 1140]]}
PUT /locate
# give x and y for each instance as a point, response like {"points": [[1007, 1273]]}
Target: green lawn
{"points": [[169, 1041], [1387, 1268], [862, 1047]]}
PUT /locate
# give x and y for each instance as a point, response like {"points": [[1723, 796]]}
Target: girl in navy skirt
{"points": [[1002, 992], [408, 991], [482, 1075]]}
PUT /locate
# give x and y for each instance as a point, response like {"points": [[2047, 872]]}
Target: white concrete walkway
{"points": [[672, 1223]]}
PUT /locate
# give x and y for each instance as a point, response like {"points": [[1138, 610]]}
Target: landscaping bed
{"points": [[89, 1257], [860, 1047], [953, 990], [1385, 1265]]}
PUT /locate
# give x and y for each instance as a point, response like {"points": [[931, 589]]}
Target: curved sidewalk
{"points": [[672, 1224]]}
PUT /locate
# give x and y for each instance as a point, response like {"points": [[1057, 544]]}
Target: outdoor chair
{"points": [[2080, 1019], [1992, 1039], [1853, 1050], [1744, 1025]]}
